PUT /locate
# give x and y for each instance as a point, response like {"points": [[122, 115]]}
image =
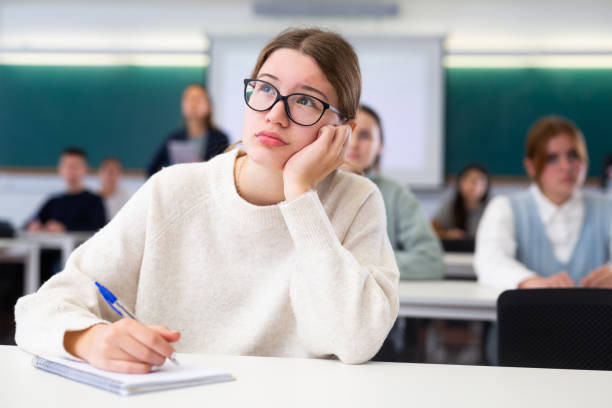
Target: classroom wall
{"points": [[469, 24]]}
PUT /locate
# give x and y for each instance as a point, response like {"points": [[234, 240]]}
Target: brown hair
{"points": [[333, 54], [548, 128]]}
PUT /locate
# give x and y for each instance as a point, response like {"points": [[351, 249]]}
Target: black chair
{"points": [[556, 328], [6, 230], [459, 245]]}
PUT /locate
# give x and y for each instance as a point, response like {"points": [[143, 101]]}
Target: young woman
{"points": [[458, 218], [417, 251], [199, 137], [552, 235], [267, 252]]}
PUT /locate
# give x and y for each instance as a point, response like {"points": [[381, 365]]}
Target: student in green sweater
{"points": [[417, 251]]}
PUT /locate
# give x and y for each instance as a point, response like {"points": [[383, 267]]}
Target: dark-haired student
{"points": [[417, 251], [606, 176], [458, 217], [76, 209], [552, 235], [198, 140]]}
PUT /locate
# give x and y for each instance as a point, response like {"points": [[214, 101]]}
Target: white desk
{"points": [[284, 382], [459, 265], [448, 300], [65, 242], [20, 250]]}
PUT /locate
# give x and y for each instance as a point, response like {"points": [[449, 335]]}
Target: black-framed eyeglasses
{"points": [[303, 109]]}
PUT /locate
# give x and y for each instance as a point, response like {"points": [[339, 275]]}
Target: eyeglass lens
{"points": [[303, 109]]}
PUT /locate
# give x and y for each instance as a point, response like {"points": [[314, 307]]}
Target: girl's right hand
{"points": [[558, 280], [125, 346]]}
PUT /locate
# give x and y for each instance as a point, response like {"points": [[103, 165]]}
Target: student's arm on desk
{"points": [[421, 255], [495, 258], [69, 301]]}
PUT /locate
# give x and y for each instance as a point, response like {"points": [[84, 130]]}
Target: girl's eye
{"points": [[552, 158], [266, 88], [306, 101], [573, 155], [364, 136]]}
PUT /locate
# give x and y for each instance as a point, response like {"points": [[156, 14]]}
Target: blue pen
{"points": [[121, 310]]}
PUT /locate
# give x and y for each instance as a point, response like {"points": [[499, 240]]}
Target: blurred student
{"points": [[552, 235], [458, 218], [606, 176], [417, 251], [198, 140], [77, 209], [265, 251], [111, 191]]}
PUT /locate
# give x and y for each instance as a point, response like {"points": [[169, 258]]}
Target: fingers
{"points": [[141, 352], [169, 335], [154, 343], [122, 366], [588, 280], [561, 280], [598, 278]]}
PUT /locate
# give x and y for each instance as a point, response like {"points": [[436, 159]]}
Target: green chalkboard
{"points": [[488, 113], [127, 111], [118, 111]]}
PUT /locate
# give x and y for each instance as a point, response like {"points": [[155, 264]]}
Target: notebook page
{"points": [[166, 374]]}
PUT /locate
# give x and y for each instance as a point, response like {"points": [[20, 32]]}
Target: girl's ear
{"points": [[352, 123], [530, 167]]}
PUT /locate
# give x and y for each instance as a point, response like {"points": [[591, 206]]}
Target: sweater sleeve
{"points": [[495, 260], [420, 256], [69, 300], [346, 304]]}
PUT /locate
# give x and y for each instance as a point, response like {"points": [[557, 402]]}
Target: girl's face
{"points": [[564, 171], [365, 144], [269, 137], [473, 185], [194, 103]]}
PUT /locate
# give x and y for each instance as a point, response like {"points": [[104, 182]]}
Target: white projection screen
{"points": [[403, 81]]}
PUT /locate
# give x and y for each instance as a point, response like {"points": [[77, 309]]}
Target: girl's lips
{"points": [[270, 139]]}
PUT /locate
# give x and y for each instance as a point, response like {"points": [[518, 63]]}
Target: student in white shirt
{"points": [[270, 251], [556, 159], [552, 235], [111, 191]]}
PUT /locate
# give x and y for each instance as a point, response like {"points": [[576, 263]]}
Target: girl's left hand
{"points": [[307, 167], [598, 278]]}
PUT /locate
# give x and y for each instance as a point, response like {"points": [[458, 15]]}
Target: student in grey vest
{"points": [[552, 235]]}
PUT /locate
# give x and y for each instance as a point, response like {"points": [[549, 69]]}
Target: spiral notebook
{"points": [[165, 377]]}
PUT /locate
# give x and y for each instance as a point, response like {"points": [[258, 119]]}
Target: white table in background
{"points": [[459, 265], [291, 382], [65, 242], [21, 250], [463, 300]]}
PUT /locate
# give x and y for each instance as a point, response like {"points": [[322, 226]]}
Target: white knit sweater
{"points": [[314, 277]]}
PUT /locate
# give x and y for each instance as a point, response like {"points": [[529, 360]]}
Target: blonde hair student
{"points": [[264, 251]]}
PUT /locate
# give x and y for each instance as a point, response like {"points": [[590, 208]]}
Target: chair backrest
{"points": [[6, 230], [556, 328]]}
